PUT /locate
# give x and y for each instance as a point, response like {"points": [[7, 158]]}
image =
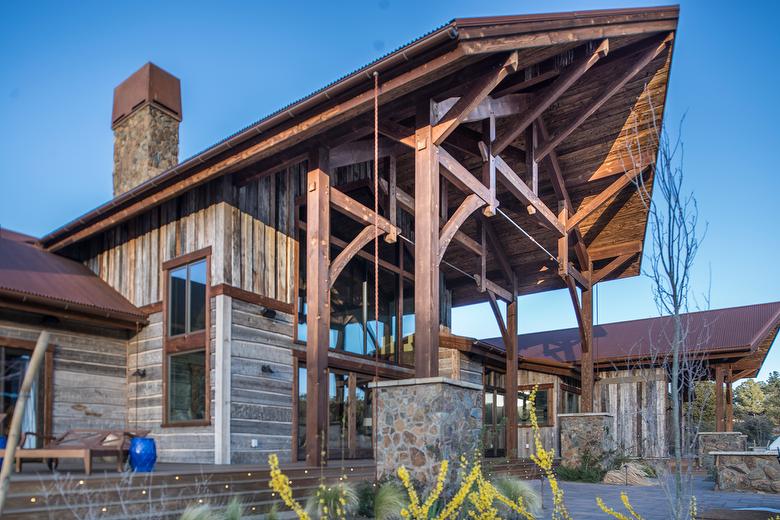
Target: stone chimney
{"points": [[145, 120]]}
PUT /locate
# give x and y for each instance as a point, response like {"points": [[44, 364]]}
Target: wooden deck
{"points": [[68, 494]]}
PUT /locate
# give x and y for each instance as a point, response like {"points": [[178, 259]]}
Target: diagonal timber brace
{"points": [[363, 238], [352, 208], [469, 205], [546, 98]]}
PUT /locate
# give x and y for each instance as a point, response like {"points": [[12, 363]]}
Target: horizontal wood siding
{"points": [[89, 375], [261, 402], [174, 444], [637, 400]]}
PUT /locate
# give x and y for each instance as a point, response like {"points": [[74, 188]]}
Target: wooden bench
{"points": [[79, 444]]}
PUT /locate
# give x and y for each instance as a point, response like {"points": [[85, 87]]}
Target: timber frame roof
{"points": [[582, 141]]}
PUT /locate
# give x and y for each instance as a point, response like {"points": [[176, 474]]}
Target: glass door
{"points": [[494, 418]]}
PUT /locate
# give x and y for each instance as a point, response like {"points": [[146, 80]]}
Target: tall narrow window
{"points": [[186, 349]]}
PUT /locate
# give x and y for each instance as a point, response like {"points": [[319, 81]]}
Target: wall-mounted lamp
{"points": [[269, 313], [139, 372], [266, 369]]}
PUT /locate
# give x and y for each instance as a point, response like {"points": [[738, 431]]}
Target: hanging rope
{"points": [[376, 264]]}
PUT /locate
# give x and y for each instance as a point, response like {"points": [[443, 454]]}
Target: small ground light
{"points": [[227, 486], [254, 508], [143, 492], [104, 509], [248, 474], [177, 477], [33, 500], [81, 482], [200, 501]]}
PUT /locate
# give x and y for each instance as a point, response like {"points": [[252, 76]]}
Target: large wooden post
{"points": [[317, 303], [587, 375], [719, 422], [510, 401], [729, 404], [426, 248]]}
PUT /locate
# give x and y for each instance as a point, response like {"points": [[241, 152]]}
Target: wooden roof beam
{"points": [[471, 100], [613, 266], [521, 191], [352, 208], [613, 189], [559, 186], [607, 252], [463, 179], [406, 203], [543, 100], [656, 47]]}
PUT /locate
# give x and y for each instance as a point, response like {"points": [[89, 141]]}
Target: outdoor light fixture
{"points": [[139, 372], [266, 369], [268, 313]]}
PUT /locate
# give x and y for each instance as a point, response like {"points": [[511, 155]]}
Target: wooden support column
{"points": [[719, 415], [510, 403], [587, 376], [729, 402], [426, 251], [317, 303]]}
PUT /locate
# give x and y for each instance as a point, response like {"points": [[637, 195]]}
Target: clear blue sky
{"points": [[241, 60]]}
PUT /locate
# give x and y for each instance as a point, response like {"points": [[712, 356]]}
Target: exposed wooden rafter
{"points": [[656, 47], [521, 191], [595, 203], [543, 100], [461, 109], [352, 208]]}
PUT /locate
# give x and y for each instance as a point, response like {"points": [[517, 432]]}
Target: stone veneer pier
{"points": [[421, 422]]}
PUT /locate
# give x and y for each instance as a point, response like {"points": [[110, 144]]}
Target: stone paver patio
{"points": [[650, 502]]}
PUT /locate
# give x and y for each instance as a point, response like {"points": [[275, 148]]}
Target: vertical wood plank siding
{"points": [[637, 399], [550, 437], [261, 401], [89, 374], [174, 444]]}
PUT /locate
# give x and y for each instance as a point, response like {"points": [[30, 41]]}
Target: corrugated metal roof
{"points": [[707, 331], [29, 272]]}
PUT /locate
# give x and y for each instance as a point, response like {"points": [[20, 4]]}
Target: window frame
{"points": [[550, 389], [188, 341]]}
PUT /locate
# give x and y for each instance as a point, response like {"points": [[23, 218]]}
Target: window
{"points": [[494, 420], [350, 414], [541, 406], [187, 299], [186, 365], [570, 400]]}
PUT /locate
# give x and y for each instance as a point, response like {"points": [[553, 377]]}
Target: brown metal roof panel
{"points": [[736, 328], [29, 270]]}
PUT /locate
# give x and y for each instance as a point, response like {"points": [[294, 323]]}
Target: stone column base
{"points": [[421, 422], [717, 441], [585, 433]]}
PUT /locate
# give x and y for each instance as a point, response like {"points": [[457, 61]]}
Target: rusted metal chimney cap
{"points": [[148, 85]]}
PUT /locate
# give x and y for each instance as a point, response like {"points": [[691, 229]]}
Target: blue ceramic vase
{"points": [[143, 454]]}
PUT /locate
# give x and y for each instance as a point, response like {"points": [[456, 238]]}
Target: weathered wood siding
{"points": [[145, 399], [261, 402], [262, 253], [550, 437], [637, 400], [129, 257], [89, 373], [457, 365]]}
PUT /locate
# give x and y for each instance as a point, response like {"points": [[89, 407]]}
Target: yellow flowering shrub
{"points": [[544, 460], [281, 485]]}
